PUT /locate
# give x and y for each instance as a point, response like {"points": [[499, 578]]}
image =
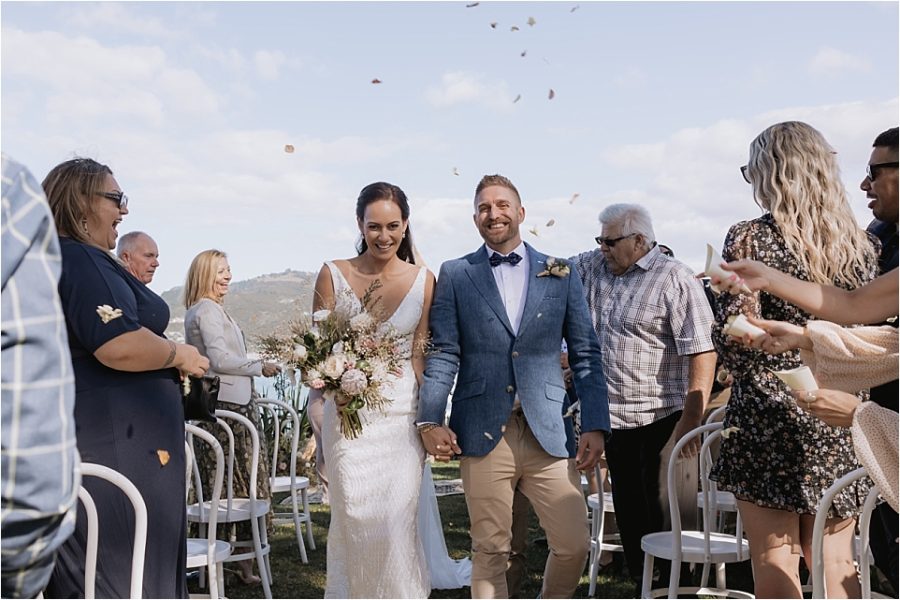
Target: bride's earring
{"points": [[404, 235], [84, 225]]}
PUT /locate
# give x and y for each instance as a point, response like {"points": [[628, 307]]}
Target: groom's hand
{"points": [[590, 449], [440, 442]]}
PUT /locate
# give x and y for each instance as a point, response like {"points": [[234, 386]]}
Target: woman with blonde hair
{"points": [[219, 338], [782, 459]]}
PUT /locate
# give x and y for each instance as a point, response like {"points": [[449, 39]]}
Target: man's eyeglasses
{"points": [[119, 198], [610, 242], [745, 174], [872, 170]]}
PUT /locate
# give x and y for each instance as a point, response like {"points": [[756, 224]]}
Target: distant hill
{"points": [[261, 305]]}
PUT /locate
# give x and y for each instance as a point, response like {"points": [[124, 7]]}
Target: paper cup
{"points": [[713, 260], [738, 326], [800, 378]]}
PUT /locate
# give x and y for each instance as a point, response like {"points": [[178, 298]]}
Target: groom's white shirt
{"points": [[512, 283]]}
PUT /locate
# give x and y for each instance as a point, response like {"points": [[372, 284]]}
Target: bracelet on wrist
{"points": [[426, 427]]}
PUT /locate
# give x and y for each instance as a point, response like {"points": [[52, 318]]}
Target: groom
{"points": [[498, 319]]}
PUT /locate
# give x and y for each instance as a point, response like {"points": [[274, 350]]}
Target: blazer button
{"points": [[510, 389], [515, 354]]}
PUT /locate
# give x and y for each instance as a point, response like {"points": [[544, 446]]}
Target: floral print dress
{"points": [[781, 457]]}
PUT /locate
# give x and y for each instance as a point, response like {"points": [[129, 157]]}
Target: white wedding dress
{"points": [[374, 481]]}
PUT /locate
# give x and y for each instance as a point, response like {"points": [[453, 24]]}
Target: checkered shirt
{"points": [[40, 465], [649, 320]]}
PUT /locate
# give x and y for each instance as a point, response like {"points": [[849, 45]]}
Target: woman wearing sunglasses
{"points": [[128, 411], [782, 459]]}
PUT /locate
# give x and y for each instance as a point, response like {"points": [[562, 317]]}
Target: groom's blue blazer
{"points": [[474, 342]]}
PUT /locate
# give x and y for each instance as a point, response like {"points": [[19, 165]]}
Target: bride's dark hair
{"points": [[386, 191]]}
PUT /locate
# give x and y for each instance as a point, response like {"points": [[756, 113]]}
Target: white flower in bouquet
{"points": [[333, 366], [354, 382], [320, 315], [361, 322], [338, 348], [313, 374], [299, 354]]}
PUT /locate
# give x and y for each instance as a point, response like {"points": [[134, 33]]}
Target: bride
{"points": [[375, 481]]}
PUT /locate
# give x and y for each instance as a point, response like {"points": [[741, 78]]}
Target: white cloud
{"points": [[131, 81], [468, 88], [113, 16], [632, 77], [829, 61], [268, 63]]}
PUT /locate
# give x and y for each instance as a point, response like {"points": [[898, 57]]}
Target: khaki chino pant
{"points": [[554, 489]]}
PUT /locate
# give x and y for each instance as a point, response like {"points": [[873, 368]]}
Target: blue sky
{"points": [[191, 104]]}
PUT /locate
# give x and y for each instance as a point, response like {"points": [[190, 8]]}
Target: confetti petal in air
{"points": [[551, 223], [472, 4], [519, 97], [574, 8], [488, 436], [289, 148], [531, 21], [376, 80], [163, 456], [574, 198], [494, 25], [524, 52], [513, 28], [456, 171], [551, 95], [533, 231]]}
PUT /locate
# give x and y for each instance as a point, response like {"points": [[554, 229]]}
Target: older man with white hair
{"points": [[140, 255], [654, 323]]}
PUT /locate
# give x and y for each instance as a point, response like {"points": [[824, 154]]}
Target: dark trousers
{"points": [[883, 541], [634, 462]]}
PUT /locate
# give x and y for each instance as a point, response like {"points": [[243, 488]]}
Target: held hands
{"points": [[189, 361], [590, 450], [834, 407], [269, 369], [440, 442]]}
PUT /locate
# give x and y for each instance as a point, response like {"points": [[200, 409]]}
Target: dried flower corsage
{"points": [[556, 267], [108, 313]]}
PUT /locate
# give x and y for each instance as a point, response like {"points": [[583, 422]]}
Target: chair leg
{"points": [[298, 531], [704, 576], [309, 531], [720, 576], [213, 569], [596, 541], [674, 577], [260, 559], [264, 536], [647, 579]]}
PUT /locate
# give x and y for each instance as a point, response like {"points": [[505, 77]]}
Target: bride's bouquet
{"points": [[345, 353]]}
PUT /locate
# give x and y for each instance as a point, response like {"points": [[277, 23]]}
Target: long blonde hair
{"points": [[70, 188], [201, 277], [796, 178]]}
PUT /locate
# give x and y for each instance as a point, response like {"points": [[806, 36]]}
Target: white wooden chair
{"points": [[208, 552], [723, 502], [233, 510], [706, 547], [293, 484], [862, 544], [600, 541], [93, 528]]}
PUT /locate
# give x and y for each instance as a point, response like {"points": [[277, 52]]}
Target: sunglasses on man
{"points": [[610, 242]]}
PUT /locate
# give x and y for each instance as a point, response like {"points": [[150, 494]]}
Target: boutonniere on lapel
{"points": [[556, 267]]}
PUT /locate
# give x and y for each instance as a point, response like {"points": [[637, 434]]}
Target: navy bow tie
{"points": [[496, 259]]}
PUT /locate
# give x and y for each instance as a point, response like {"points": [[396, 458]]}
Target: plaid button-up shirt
{"points": [[649, 320], [40, 466]]}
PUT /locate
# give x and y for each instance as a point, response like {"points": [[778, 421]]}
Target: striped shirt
{"points": [[40, 465], [649, 320]]}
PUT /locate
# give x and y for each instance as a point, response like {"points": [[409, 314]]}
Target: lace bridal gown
{"points": [[374, 481]]}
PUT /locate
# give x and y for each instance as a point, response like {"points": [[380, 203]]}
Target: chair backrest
{"points": [[291, 415], [93, 526], [717, 415], [709, 489], [192, 433], [674, 509], [818, 571]]}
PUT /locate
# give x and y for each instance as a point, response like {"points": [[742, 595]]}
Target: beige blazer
{"points": [[218, 338]]}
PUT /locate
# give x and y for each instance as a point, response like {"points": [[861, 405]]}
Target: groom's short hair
{"points": [[489, 180]]}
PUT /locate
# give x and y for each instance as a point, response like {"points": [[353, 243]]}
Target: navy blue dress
{"points": [[130, 422]]}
